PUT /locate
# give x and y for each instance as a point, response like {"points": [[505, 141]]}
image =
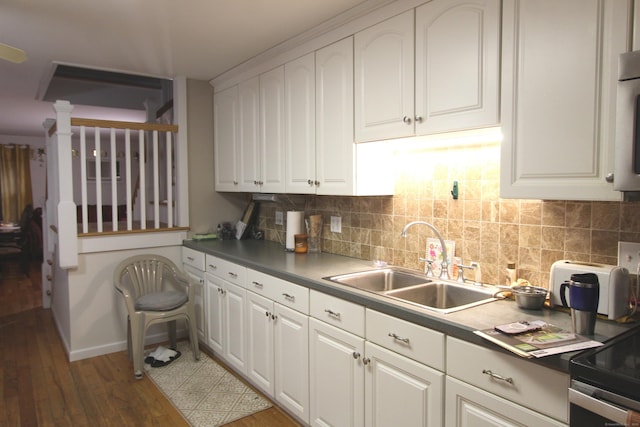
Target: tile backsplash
{"points": [[486, 229]]}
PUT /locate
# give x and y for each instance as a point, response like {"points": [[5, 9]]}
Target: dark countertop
{"points": [[309, 269]]}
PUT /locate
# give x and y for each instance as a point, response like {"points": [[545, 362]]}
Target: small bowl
{"points": [[530, 297]]}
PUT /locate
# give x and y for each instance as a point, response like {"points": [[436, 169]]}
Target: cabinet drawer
{"points": [[416, 342], [279, 290], [226, 270], [193, 258], [337, 312], [293, 296], [542, 389], [262, 284]]}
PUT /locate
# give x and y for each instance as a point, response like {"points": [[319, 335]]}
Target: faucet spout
{"points": [[444, 267]]}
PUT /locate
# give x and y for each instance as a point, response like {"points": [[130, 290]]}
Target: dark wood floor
{"points": [[39, 387]]}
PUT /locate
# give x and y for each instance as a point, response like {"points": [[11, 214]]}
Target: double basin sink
{"points": [[443, 296]]}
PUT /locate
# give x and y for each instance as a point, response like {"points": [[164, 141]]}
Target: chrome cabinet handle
{"points": [[310, 181], [418, 119], [232, 274], [497, 376], [289, 297], [213, 267], [366, 361], [257, 284], [356, 355], [399, 338], [406, 119], [235, 182], [332, 313], [317, 183], [609, 177], [190, 258]]}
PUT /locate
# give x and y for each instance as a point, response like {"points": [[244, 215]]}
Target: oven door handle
{"points": [[598, 407]]}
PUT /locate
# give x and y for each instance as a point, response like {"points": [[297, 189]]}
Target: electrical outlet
{"points": [[336, 224], [629, 256], [279, 218]]}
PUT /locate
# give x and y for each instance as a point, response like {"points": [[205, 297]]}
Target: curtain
{"points": [[15, 181]]}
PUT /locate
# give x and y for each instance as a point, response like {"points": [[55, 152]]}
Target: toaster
{"points": [[613, 280]]}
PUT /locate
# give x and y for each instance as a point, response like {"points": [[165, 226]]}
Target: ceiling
{"points": [[199, 39]]}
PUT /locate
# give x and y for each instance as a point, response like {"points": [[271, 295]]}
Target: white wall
{"points": [[97, 310]]}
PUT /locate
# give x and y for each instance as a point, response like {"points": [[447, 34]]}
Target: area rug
{"points": [[203, 391]]}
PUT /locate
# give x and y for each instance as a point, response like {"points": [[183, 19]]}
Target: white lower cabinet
{"points": [[400, 391], [278, 341], [490, 388], [358, 382], [193, 264], [469, 406], [226, 331], [291, 353], [336, 376]]}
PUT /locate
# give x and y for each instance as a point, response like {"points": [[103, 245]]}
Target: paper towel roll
{"points": [[295, 225]]}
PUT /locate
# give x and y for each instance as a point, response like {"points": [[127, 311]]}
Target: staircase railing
{"points": [[109, 177]]}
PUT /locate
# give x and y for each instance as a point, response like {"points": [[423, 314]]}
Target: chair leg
{"points": [[171, 325], [137, 343], [193, 334], [129, 348]]}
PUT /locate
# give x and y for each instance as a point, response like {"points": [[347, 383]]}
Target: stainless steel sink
{"points": [[443, 296], [380, 280]]}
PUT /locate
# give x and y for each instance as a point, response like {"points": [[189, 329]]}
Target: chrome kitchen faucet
{"points": [[444, 267]]}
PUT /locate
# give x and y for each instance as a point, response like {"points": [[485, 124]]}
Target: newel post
{"points": [[66, 208]]}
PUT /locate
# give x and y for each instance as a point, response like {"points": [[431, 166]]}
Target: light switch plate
{"points": [[336, 224], [629, 256], [279, 218]]}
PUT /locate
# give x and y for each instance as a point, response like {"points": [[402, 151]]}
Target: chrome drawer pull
{"points": [[497, 376], [332, 313], [399, 338], [213, 267], [232, 274], [289, 297], [190, 258], [258, 284], [356, 355]]}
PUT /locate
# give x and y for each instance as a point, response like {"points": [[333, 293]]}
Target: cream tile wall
{"points": [[485, 228]]}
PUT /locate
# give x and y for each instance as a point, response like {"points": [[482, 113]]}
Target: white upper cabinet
{"points": [[440, 73], [384, 79], [457, 65], [300, 125], [249, 135], [559, 81], [334, 118], [272, 131], [225, 135], [342, 167]]}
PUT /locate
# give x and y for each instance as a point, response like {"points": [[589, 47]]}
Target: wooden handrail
{"points": [[123, 125], [76, 121]]}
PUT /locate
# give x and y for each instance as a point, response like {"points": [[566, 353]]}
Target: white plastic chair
{"points": [[143, 280]]}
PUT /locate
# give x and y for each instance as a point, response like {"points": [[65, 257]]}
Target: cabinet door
{"points": [[559, 77], [468, 406], [215, 317], [260, 321], [400, 391], [249, 135], [225, 139], [335, 150], [292, 361], [235, 345], [457, 65], [336, 376], [197, 277], [383, 74], [272, 155], [300, 125]]}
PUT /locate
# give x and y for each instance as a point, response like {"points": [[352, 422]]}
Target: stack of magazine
{"points": [[536, 338]]}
